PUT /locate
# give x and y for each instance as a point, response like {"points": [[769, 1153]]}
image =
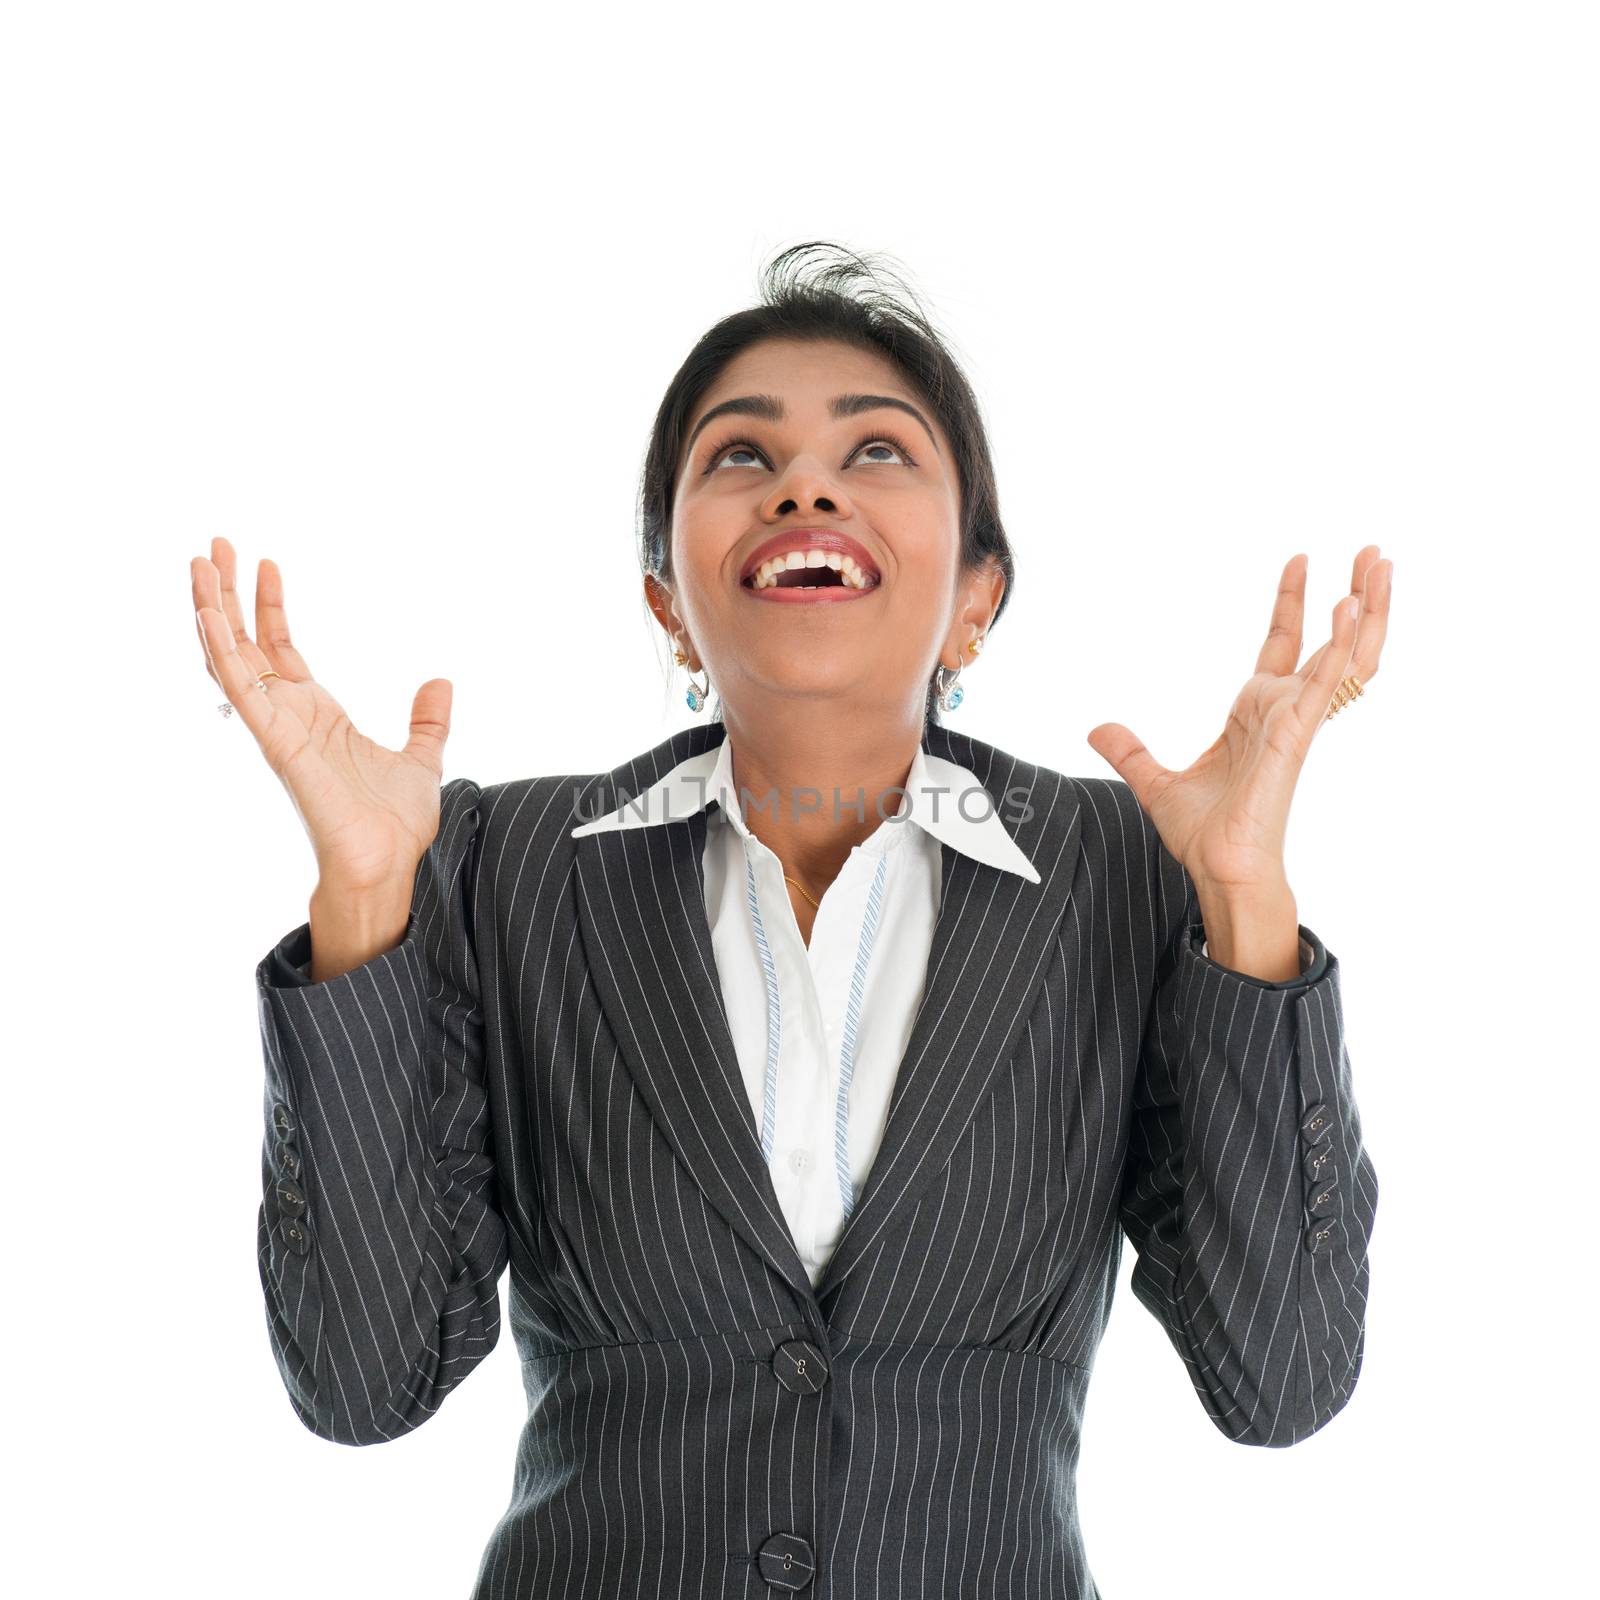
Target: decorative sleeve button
{"points": [[1319, 1162], [1319, 1236], [1317, 1123], [1322, 1198]]}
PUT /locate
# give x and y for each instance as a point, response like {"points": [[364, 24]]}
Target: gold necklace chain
{"points": [[788, 879]]}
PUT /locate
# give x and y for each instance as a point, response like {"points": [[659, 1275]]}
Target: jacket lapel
{"points": [[642, 915], [991, 940]]}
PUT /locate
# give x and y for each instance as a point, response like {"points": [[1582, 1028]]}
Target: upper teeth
{"points": [[853, 575]]}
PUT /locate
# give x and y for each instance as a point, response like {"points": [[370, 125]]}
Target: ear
{"points": [[664, 607], [978, 595]]}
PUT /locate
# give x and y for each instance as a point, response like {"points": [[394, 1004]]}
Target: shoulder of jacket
{"points": [[1113, 825], [1108, 801], [545, 801]]}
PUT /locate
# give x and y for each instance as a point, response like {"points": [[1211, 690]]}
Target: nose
{"points": [[822, 503]]}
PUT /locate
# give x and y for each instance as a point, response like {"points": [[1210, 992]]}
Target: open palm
{"points": [[1225, 816], [371, 812]]}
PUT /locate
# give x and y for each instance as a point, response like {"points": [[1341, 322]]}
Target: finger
{"points": [[239, 681], [272, 624], [430, 724], [205, 583], [1129, 757], [1359, 568], [1282, 648], [1369, 636], [1314, 699], [199, 585], [226, 564], [1374, 623]]}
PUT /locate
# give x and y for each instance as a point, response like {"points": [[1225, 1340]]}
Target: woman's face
{"points": [[876, 474]]}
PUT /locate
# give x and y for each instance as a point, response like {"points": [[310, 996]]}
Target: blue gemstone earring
{"points": [[697, 692], [951, 694]]}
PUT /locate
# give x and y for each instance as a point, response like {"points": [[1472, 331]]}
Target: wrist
{"points": [[1254, 931], [363, 901], [352, 925]]}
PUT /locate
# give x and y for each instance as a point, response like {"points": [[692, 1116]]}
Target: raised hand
{"points": [[1225, 816], [371, 812]]}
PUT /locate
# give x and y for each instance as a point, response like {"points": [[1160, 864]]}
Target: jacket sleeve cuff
{"points": [[287, 965], [1313, 960]]}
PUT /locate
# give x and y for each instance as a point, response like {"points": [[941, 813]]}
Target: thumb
{"points": [[1128, 756], [430, 724]]}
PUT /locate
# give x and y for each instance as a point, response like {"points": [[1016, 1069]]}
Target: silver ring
{"points": [[226, 708]]}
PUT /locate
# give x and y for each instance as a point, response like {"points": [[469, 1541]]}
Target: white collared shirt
{"points": [[820, 1029]]}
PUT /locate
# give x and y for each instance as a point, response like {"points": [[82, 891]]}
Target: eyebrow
{"points": [[771, 409]]}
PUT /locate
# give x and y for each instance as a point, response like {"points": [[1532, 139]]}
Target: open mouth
{"points": [[823, 576], [810, 566]]}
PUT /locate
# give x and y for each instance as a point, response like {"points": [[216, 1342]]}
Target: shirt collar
{"points": [[944, 798]]}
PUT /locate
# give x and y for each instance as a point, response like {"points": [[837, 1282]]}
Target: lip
{"points": [[810, 539]]}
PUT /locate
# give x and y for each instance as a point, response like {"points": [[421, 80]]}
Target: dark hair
{"points": [[842, 300]]}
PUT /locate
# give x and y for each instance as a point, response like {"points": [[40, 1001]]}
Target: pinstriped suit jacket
{"points": [[541, 1075]]}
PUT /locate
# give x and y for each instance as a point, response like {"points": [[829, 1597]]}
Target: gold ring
{"points": [[1344, 695]]}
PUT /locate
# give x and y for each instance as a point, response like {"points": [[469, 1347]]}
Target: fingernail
{"points": [[1353, 606]]}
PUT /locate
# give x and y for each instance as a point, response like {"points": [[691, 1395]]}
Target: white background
{"points": [[390, 294]]}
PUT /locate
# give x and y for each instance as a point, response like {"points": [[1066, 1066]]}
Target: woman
{"points": [[808, 1068]]}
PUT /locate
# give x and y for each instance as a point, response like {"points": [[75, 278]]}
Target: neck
{"points": [[792, 763]]}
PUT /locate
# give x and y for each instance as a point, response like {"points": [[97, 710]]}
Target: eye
{"points": [[731, 446], [878, 441], [883, 441]]}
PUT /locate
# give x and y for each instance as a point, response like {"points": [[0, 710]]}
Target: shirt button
{"points": [[799, 1160]]}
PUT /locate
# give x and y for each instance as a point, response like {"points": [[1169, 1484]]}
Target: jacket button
{"points": [[291, 1198], [295, 1235], [1316, 1122], [1319, 1236], [786, 1561], [1319, 1163], [800, 1366], [1321, 1198], [282, 1122], [289, 1160]]}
